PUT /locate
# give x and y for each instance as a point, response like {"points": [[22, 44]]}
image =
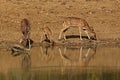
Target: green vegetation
{"points": [[58, 75]]}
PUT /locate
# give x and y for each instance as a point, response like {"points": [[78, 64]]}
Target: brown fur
{"points": [[47, 33], [25, 27], [24, 41], [79, 23]]}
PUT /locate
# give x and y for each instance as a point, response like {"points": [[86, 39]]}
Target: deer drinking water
{"points": [[81, 24], [25, 29], [48, 34]]}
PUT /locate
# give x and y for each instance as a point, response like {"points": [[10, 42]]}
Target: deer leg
{"points": [[87, 34], [21, 40], [29, 44], [51, 38], [63, 31], [80, 33], [60, 34], [64, 36]]}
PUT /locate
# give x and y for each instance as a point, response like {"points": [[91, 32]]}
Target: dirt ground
{"points": [[102, 15]]}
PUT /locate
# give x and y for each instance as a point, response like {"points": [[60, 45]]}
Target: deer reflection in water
{"points": [[44, 49], [83, 58], [26, 62]]}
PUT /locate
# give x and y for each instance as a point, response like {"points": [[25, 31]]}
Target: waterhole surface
{"points": [[61, 63]]}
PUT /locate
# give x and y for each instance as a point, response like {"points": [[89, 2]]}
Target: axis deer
{"points": [[26, 42], [48, 34], [81, 24], [25, 29]]}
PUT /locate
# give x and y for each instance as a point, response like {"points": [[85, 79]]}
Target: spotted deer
{"points": [[25, 29], [81, 24], [48, 34]]}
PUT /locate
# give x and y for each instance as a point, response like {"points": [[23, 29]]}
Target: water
{"points": [[61, 63]]}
